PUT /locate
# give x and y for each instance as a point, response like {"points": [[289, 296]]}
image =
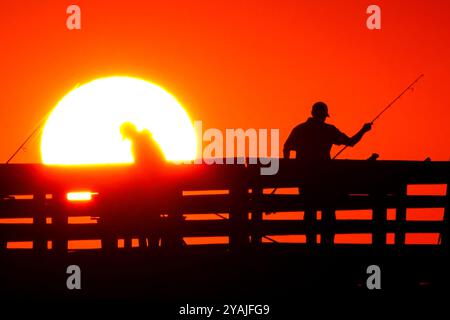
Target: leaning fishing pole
{"points": [[34, 132], [410, 87], [38, 128]]}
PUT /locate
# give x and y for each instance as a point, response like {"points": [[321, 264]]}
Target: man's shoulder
{"points": [[302, 125], [309, 124], [298, 129], [145, 133], [334, 131], [315, 124], [330, 127]]}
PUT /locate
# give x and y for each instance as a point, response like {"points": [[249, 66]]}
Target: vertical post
{"points": [[400, 215], [127, 241], [39, 222], [309, 193], [3, 240], [446, 228], [328, 220], [109, 242], [256, 236], [239, 237], [173, 236], [59, 222], [379, 218]]}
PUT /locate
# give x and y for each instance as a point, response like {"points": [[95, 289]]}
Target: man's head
{"points": [[320, 111], [128, 130]]}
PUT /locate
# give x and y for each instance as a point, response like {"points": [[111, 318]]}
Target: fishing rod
{"points": [[36, 129], [410, 87]]}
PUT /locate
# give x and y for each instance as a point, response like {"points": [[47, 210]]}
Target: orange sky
{"points": [[249, 64]]}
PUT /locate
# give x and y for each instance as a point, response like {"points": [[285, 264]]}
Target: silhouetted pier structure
{"points": [[39, 192], [243, 195]]}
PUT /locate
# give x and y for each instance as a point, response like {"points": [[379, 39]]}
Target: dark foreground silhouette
{"points": [[138, 207], [313, 139], [248, 266], [312, 142]]}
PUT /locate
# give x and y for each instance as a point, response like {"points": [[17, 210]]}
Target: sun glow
{"points": [[84, 127], [80, 196]]}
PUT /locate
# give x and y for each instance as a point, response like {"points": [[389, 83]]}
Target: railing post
{"points": [[3, 240], [310, 194], [379, 212], [173, 239], [446, 228], [239, 237], [39, 222], [256, 235], [400, 215], [59, 222]]}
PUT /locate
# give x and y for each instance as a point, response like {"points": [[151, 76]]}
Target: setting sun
{"points": [[84, 127]]}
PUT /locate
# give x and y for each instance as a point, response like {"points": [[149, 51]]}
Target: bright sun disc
{"points": [[84, 127]]}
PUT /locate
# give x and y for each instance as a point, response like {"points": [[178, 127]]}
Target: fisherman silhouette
{"points": [[152, 198], [133, 209], [145, 149], [313, 139], [146, 198], [312, 142]]}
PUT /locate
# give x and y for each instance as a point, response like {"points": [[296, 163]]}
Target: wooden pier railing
{"points": [[36, 194]]}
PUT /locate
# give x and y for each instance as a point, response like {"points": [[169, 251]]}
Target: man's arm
{"points": [[358, 136]]}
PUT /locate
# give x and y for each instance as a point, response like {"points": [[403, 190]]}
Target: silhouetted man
{"points": [[312, 142], [145, 198], [145, 149], [313, 139], [151, 165]]}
